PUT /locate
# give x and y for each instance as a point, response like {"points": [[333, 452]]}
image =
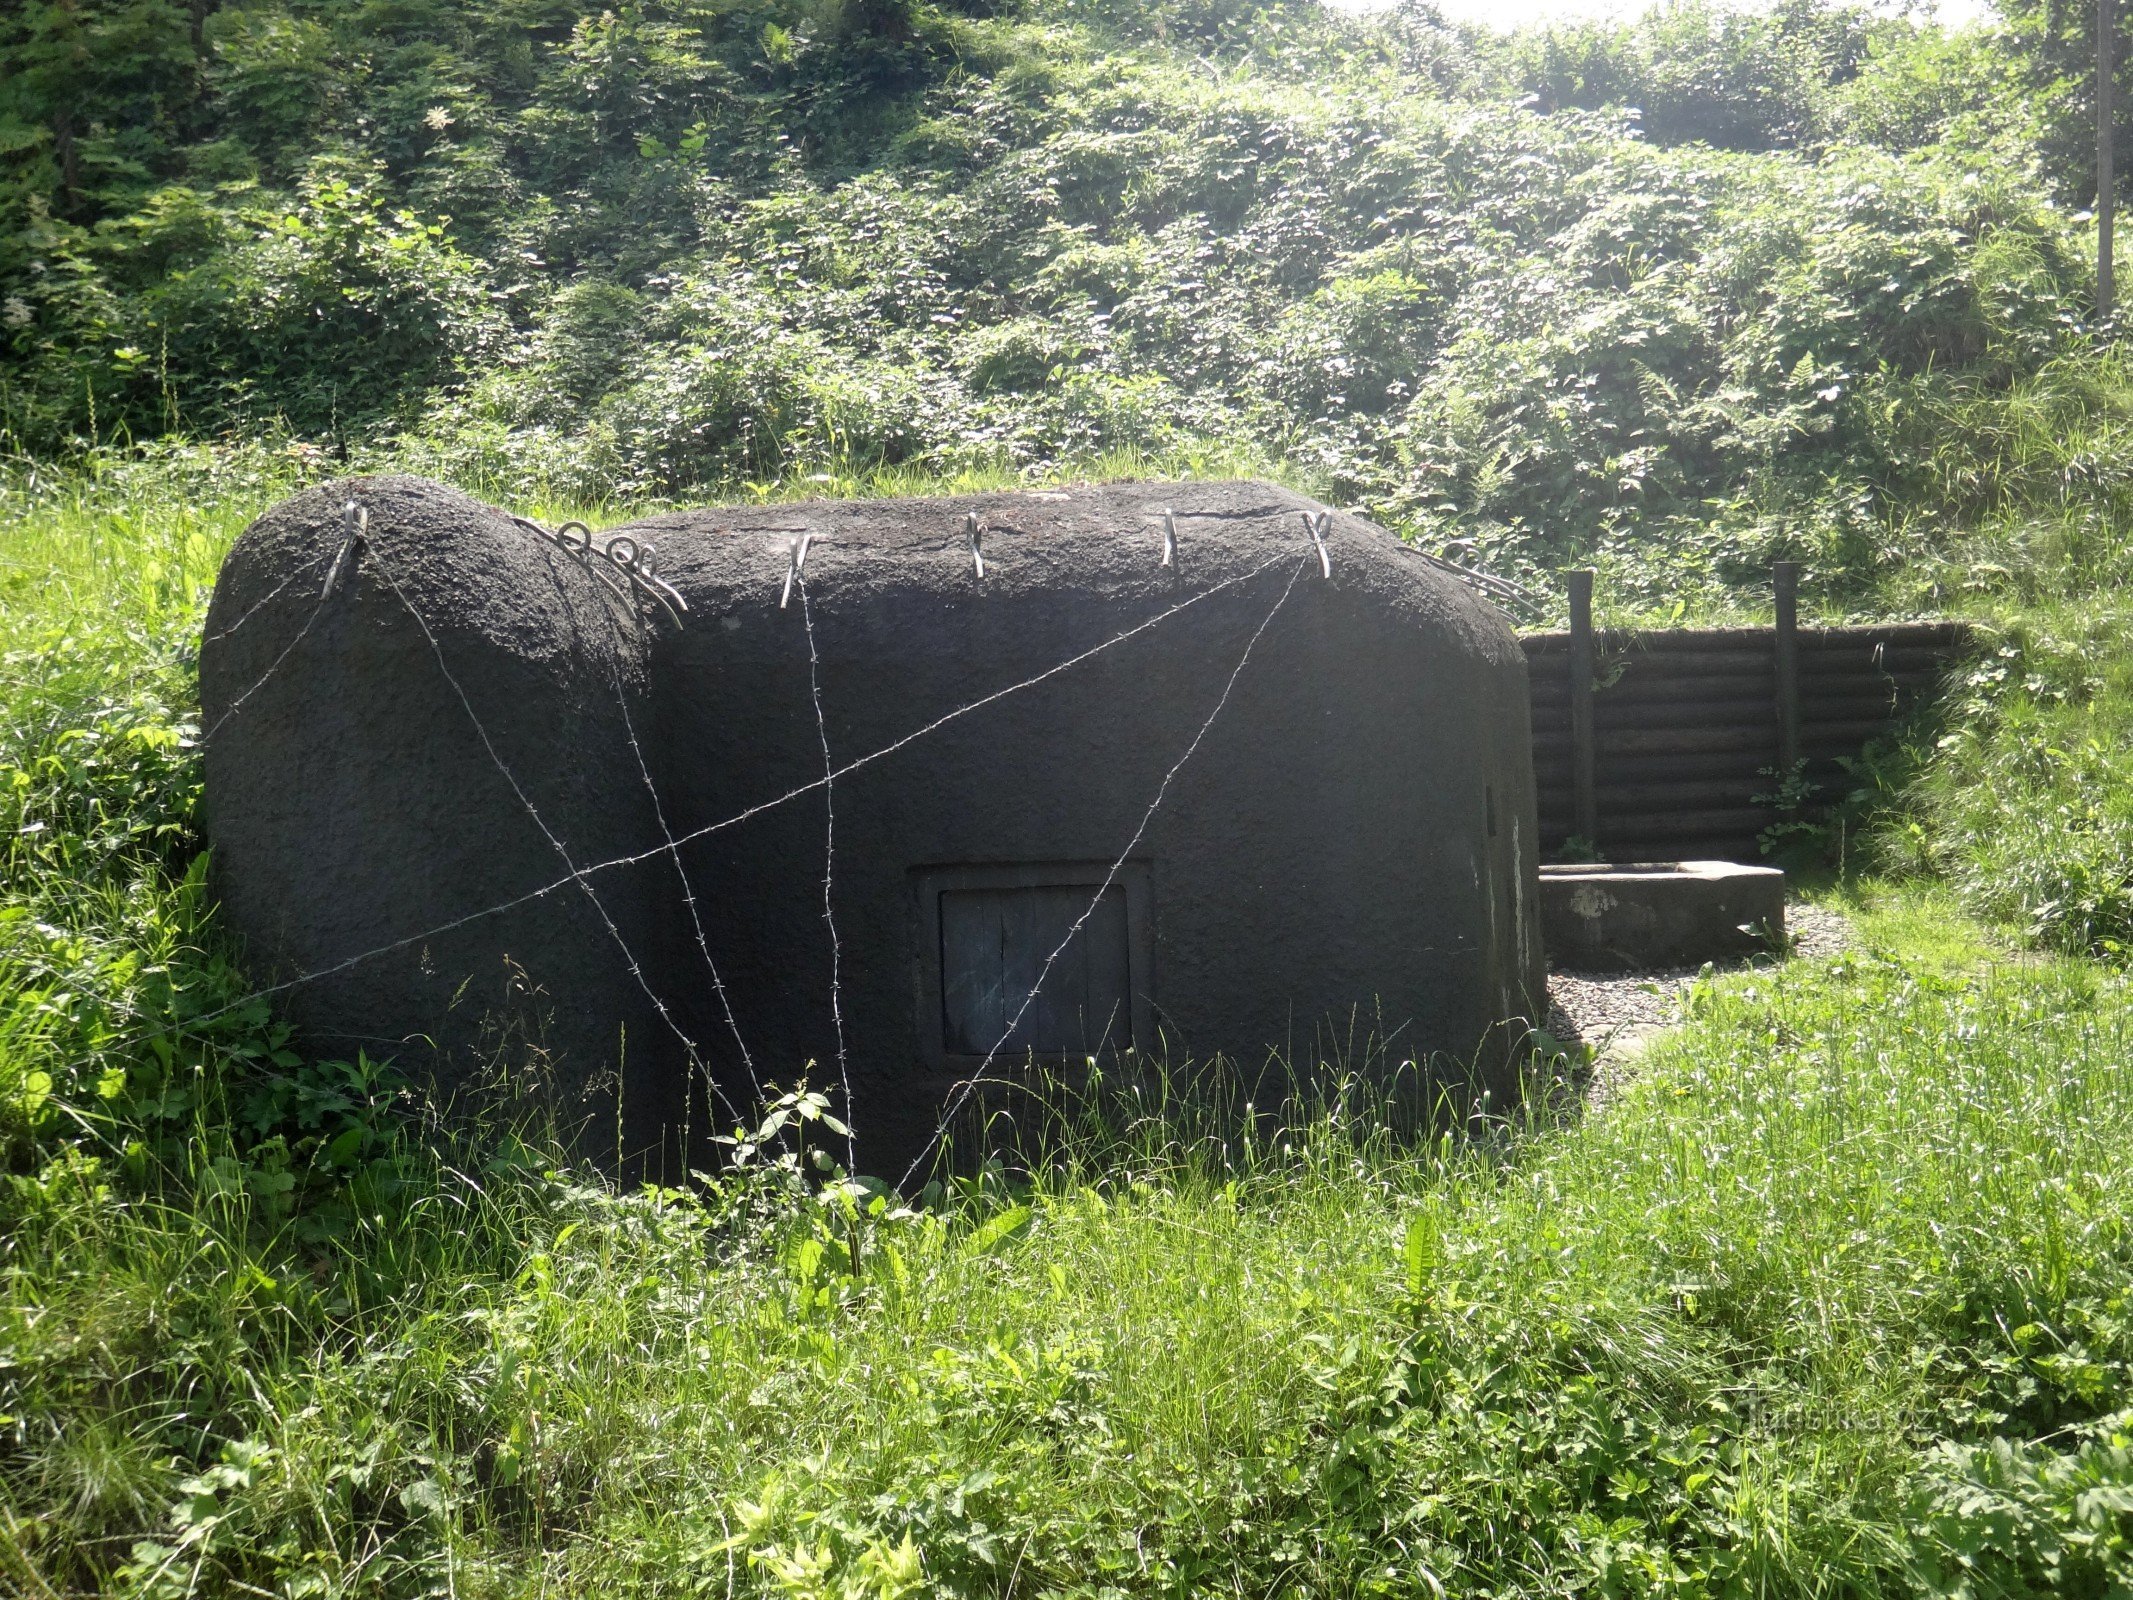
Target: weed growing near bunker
{"points": [[1834, 1301]]}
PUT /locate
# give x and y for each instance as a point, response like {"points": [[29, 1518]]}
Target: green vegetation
{"points": [[1837, 1299], [1683, 297], [1844, 1313]]}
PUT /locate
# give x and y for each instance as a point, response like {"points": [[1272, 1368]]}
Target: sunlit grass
{"points": [[1750, 1331], [1713, 1326]]}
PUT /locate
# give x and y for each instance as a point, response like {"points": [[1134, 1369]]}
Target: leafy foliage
{"points": [[2005, 1519], [2028, 807], [1694, 292]]}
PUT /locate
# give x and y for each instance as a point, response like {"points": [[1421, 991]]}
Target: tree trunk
{"points": [[69, 156], [2106, 178]]}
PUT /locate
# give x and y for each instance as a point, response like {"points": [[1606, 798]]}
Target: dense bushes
{"points": [[1737, 80], [678, 246]]}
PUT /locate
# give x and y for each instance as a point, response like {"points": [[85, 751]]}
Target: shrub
{"points": [[336, 315], [2028, 806]]}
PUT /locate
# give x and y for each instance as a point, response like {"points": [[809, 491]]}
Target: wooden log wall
{"points": [[1680, 730]]}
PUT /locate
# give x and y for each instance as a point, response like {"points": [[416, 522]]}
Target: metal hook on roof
{"points": [[641, 564], [792, 573], [632, 559], [639, 567], [976, 532], [355, 519], [577, 539], [1170, 537], [1315, 524], [1502, 591]]}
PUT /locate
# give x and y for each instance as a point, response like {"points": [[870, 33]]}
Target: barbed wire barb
{"points": [[318, 606], [252, 610], [829, 876], [614, 933], [577, 875], [688, 890]]}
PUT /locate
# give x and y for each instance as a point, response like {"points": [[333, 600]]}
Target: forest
{"points": [[1834, 1299]]}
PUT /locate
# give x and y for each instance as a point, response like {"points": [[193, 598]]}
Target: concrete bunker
{"points": [[1241, 779]]}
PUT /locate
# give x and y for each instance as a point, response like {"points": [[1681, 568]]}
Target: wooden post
{"points": [[1787, 653], [1586, 805], [2106, 175]]}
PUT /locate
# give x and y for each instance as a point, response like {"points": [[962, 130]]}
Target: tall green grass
{"points": [[1833, 1300], [2025, 803], [1752, 1332]]}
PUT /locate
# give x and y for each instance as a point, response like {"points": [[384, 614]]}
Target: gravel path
{"points": [[1617, 1013]]}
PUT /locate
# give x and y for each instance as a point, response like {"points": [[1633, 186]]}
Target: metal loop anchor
{"points": [[355, 521], [976, 533], [641, 566], [632, 560], [661, 590], [792, 572], [1315, 524], [1170, 538], [1502, 591]]}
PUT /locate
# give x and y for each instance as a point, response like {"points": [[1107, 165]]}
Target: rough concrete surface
{"points": [[1346, 858], [1659, 914], [351, 801]]}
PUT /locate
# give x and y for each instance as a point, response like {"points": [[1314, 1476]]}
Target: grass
{"points": [[1837, 1299], [1855, 1214]]}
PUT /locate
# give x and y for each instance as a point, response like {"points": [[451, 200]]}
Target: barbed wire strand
{"points": [[829, 872], [355, 521], [454, 924], [969, 1085], [673, 853], [253, 609], [629, 957], [273, 667]]}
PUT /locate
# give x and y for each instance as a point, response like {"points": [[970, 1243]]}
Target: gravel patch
{"points": [[1618, 1013]]}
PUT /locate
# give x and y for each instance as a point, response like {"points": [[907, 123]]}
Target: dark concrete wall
{"points": [[1321, 874], [351, 802]]}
